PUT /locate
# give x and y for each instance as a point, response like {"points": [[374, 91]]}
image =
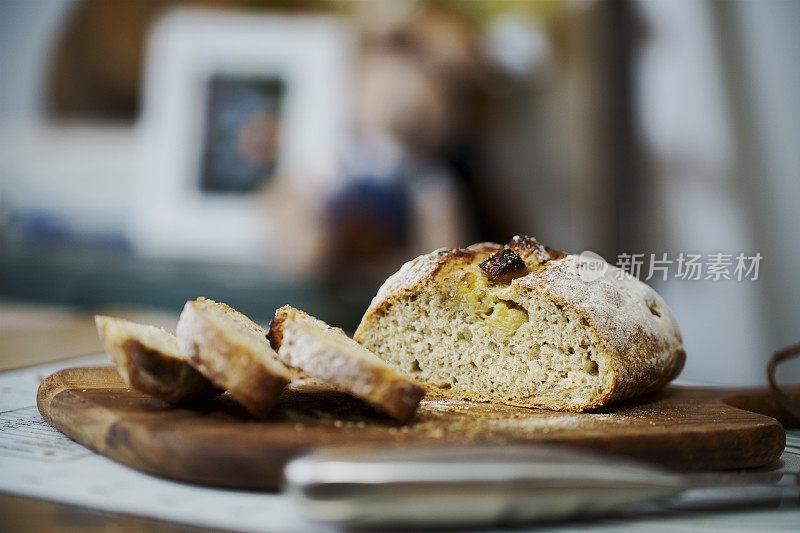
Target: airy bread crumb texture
{"points": [[117, 330], [327, 353], [543, 336], [233, 352], [475, 336]]}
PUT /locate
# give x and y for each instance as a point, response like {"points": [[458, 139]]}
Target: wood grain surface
{"points": [[218, 443]]}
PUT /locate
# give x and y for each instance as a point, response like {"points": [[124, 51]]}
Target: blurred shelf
{"points": [[94, 280]]}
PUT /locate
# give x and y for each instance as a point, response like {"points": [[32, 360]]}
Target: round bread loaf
{"points": [[523, 325]]}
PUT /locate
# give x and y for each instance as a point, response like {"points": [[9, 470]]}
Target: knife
{"points": [[508, 485]]}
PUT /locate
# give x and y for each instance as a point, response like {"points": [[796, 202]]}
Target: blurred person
{"points": [[412, 179], [402, 191]]}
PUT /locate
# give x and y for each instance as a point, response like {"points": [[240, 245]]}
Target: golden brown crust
{"points": [[326, 353], [424, 269], [275, 329], [227, 362], [166, 376], [631, 321]]}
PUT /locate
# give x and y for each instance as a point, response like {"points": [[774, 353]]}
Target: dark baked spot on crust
{"points": [[165, 377], [461, 253], [448, 258], [529, 249], [275, 331], [151, 361], [464, 256], [502, 263]]}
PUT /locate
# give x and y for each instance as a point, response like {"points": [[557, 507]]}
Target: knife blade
{"points": [[507, 485]]}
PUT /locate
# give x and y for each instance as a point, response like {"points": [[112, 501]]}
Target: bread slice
{"points": [[233, 352], [149, 360], [524, 325], [328, 354]]}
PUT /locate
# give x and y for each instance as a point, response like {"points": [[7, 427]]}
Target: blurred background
{"points": [[271, 152]]}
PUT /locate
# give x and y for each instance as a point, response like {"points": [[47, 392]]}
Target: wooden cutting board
{"points": [[217, 443]]}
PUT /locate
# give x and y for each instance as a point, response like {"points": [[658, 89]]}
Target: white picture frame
{"points": [[311, 55]]}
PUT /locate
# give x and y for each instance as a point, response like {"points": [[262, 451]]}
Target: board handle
{"points": [[791, 409]]}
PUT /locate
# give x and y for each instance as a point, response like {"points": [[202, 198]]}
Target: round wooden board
{"points": [[217, 443]]}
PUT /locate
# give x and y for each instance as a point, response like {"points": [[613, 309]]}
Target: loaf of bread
{"points": [[233, 352], [149, 360], [520, 324], [329, 355]]}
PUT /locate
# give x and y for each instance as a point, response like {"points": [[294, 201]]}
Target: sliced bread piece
{"points": [[524, 325], [328, 354], [233, 352], [149, 360]]}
